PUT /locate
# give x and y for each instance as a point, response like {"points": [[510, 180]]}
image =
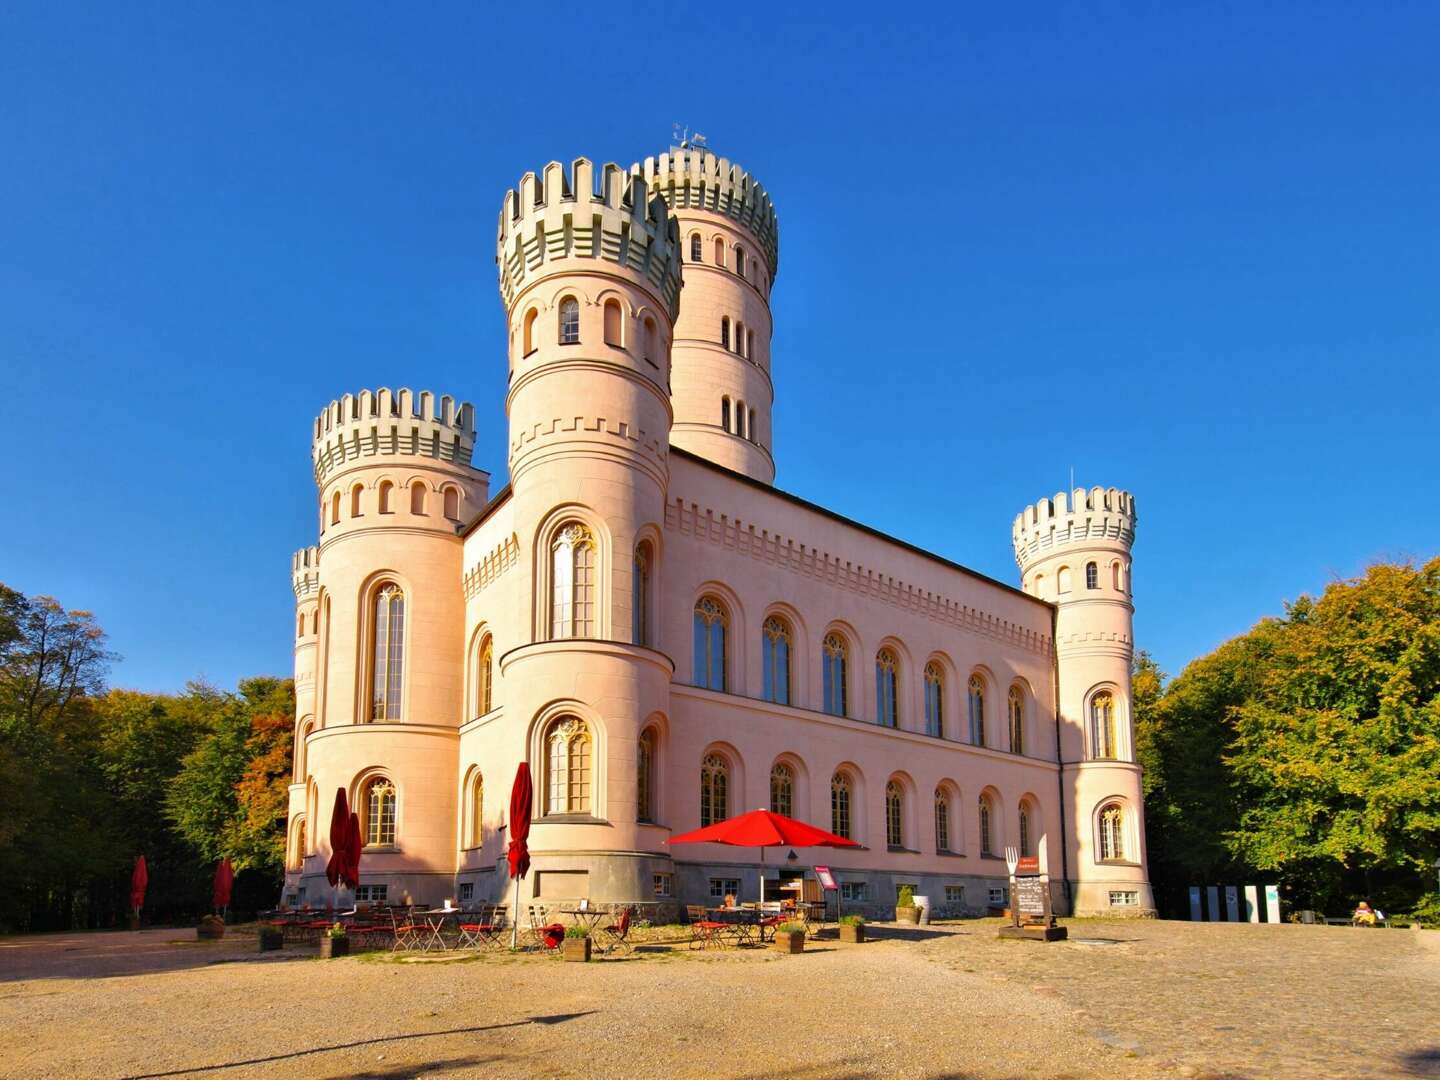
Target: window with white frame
{"points": [[854, 890], [997, 896], [372, 894], [955, 894], [572, 582], [663, 884], [721, 887], [1124, 898]]}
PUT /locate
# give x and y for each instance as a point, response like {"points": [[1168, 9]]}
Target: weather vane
{"points": [[686, 140]]}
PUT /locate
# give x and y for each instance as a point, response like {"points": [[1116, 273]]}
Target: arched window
{"points": [[719, 251], [379, 808], [529, 335], [297, 857], [569, 321], [841, 790], [740, 419], [645, 777], [386, 491], [942, 820], [740, 339], [357, 494], [612, 323], [387, 666], [485, 673], [775, 644], [887, 713], [710, 629], [714, 790], [1115, 577], [739, 260], [934, 700], [452, 503], [1062, 579], [650, 345], [985, 814], [315, 622], [750, 344], [1017, 720], [1102, 724], [640, 595], [977, 710], [477, 811], [894, 814], [695, 248], [567, 766], [335, 509], [417, 497], [782, 789], [572, 587], [1092, 576], [834, 655], [1025, 830], [725, 331], [300, 625], [1112, 833], [754, 435], [725, 413]]}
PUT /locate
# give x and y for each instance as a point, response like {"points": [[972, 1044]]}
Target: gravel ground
{"points": [[1165, 999]]}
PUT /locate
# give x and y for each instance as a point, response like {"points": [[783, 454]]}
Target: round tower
{"points": [[720, 376], [1074, 551], [590, 275], [396, 484], [305, 580]]}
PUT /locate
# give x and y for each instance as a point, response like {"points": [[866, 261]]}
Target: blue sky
{"points": [[1186, 249]]}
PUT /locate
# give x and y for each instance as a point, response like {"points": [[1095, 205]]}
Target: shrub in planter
{"points": [[789, 938], [271, 938], [905, 909], [334, 942], [852, 929], [576, 946], [211, 927]]}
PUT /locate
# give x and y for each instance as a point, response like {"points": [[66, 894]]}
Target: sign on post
{"points": [[827, 879]]}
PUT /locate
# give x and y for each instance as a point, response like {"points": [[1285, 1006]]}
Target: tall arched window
{"points": [[357, 494], [640, 594], [754, 435], [1115, 577], [976, 702], [529, 334], [719, 251], [1017, 720], [750, 344], [775, 646], [569, 321], [696, 254], [645, 777], [451, 503], [649, 341], [710, 630], [297, 856], [1112, 833], [942, 820], [725, 330], [1062, 579], [477, 811], [335, 509], [572, 582], [782, 789], [612, 323], [740, 339], [387, 662], [841, 791], [739, 260], [1102, 724], [986, 812], [300, 625], [740, 419], [834, 655], [1025, 830], [934, 699], [386, 492], [485, 676], [714, 790], [1092, 576], [379, 806], [894, 814], [887, 713], [725, 413], [417, 497], [567, 766]]}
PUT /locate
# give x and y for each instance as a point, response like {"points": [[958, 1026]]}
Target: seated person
{"points": [[1364, 915]]}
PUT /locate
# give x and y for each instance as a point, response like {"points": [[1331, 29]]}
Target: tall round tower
{"points": [[395, 481], [1074, 551], [590, 277], [720, 380], [305, 579]]}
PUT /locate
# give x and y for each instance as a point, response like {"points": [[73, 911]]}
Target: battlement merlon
{"points": [[695, 179], [561, 214], [305, 573], [402, 423], [1073, 520]]}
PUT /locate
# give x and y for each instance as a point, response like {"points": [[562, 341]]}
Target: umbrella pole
{"points": [[515, 920], [762, 875]]}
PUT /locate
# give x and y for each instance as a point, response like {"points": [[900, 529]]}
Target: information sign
{"points": [[1027, 864], [827, 879], [1030, 898]]}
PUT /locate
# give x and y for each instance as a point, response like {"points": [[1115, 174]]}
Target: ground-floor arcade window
{"points": [[371, 894], [955, 894], [1124, 898], [721, 887], [854, 890], [664, 884]]}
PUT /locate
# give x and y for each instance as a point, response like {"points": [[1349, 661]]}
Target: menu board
{"points": [[827, 879], [1030, 897]]}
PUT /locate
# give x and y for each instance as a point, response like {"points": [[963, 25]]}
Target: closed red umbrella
{"points": [[521, 796], [762, 829], [353, 846], [139, 878], [339, 840], [224, 882]]}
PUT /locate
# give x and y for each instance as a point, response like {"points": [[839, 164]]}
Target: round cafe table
{"points": [[586, 917]]}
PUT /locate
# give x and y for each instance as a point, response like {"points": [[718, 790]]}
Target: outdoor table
{"points": [[435, 919], [746, 922], [586, 917]]}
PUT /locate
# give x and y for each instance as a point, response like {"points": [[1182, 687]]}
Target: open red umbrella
{"points": [[762, 829], [521, 796], [353, 846], [224, 882], [339, 839], [139, 878]]}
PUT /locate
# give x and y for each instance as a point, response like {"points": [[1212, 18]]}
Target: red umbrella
{"points": [[353, 846], [339, 839], [139, 878], [521, 795], [224, 882], [762, 829]]}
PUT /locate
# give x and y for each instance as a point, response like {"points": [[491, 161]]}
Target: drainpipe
{"points": [[1059, 756]]}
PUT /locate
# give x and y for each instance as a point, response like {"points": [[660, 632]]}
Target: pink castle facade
{"points": [[664, 636]]}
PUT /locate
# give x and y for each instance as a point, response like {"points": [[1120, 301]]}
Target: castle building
{"points": [[664, 636]]}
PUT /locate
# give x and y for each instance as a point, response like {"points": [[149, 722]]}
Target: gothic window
{"points": [[710, 630], [417, 497], [1102, 724], [942, 820], [452, 503], [934, 700], [569, 321], [645, 777], [782, 789], [695, 248], [714, 790], [379, 804], [1112, 833], [485, 676], [834, 655], [985, 814], [725, 413], [775, 644], [725, 331], [1025, 830], [387, 666], [1092, 576], [572, 582], [1017, 720], [386, 491], [567, 767], [612, 323], [477, 811], [977, 710], [894, 814], [529, 335], [886, 676], [640, 595], [841, 790]]}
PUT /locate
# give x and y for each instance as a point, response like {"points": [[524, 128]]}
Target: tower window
{"points": [[612, 323], [529, 332], [567, 767], [1102, 724], [379, 805], [650, 346], [640, 595], [739, 260], [725, 331], [754, 435], [725, 413], [572, 565], [710, 620], [645, 777], [335, 509], [1092, 576], [388, 657], [386, 488], [695, 247], [719, 251], [740, 419], [452, 503], [740, 339], [417, 497], [1112, 833], [1062, 580], [750, 344], [569, 321]]}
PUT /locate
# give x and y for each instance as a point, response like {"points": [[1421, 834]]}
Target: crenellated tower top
{"points": [[581, 214], [305, 573], [695, 179], [1083, 518], [402, 423]]}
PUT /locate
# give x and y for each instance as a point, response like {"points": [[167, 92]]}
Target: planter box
{"points": [[907, 915], [788, 941], [331, 947], [853, 933], [270, 940], [576, 949]]}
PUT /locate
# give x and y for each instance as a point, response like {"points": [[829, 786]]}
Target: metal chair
{"points": [[541, 934], [482, 931], [615, 936], [408, 933], [704, 931]]}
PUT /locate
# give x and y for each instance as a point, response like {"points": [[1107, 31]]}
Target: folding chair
{"points": [[615, 936], [408, 933], [704, 931], [543, 935], [482, 931]]}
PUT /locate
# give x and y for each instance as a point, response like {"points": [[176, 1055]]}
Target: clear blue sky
{"points": [[1186, 249]]}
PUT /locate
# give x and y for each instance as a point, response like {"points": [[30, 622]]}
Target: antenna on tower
{"points": [[684, 139]]}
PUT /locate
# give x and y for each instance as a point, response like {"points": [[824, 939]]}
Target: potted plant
{"points": [[576, 946], [211, 927], [271, 938], [852, 928], [905, 909], [789, 938], [334, 942]]}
